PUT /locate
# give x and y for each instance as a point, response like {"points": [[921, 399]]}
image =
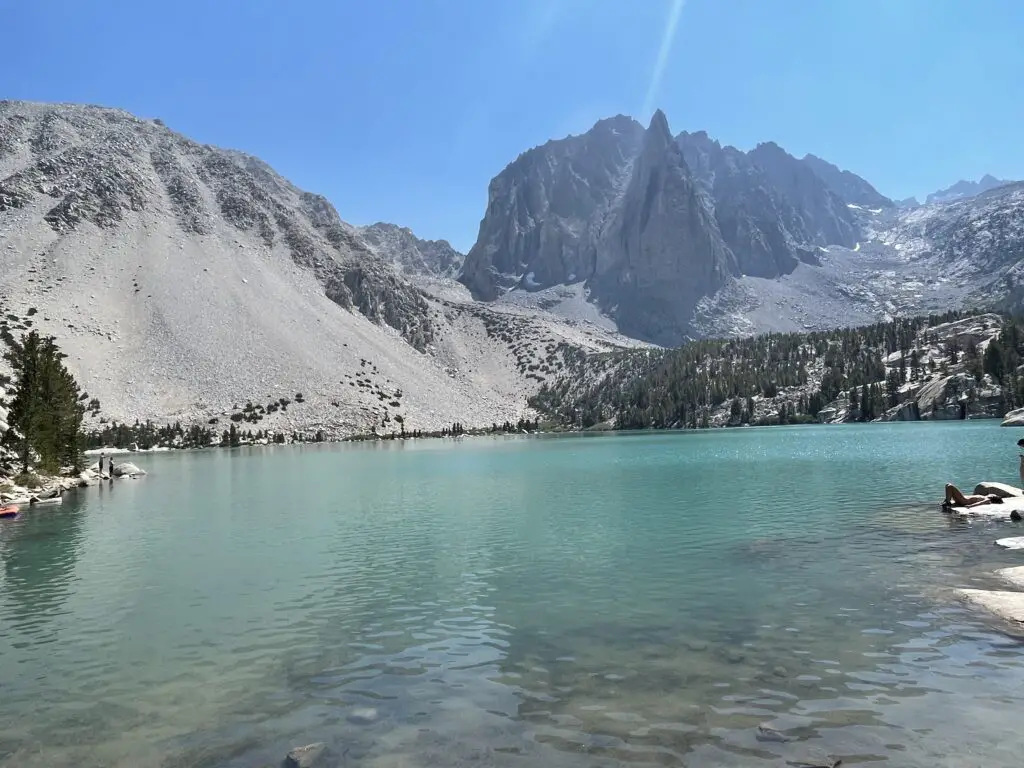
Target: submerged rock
{"points": [[363, 716], [764, 733], [305, 757]]}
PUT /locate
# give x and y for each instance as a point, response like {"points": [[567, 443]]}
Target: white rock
{"points": [[987, 487], [127, 469], [1008, 606], [1014, 418]]}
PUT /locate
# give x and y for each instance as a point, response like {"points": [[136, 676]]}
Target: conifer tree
{"points": [[46, 412]]}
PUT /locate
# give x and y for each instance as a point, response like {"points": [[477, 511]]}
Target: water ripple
{"points": [[616, 601]]}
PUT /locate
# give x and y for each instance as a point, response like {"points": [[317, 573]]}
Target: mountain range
{"points": [[190, 282], [964, 189], [678, 237]]}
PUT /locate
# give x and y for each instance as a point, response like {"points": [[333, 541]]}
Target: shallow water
{"points": [[576, 601]]}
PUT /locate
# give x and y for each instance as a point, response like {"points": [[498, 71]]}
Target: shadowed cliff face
{"points": [[661, 251], [547, 210]]}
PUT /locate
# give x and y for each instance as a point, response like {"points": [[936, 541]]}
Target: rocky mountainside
{"points": [[850, 187], [398, 245], [547, 210], [190, 282], [770, 242], [765, 229], [964, 189]]}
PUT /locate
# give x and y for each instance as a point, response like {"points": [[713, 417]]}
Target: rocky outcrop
{"points": [[959, 396], [127, 469]]}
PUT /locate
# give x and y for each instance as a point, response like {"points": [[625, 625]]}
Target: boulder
{"points": [[1002, 490], [362, 716], [127, 469], [960, 396], [305, 757], [907, 411], [1014, 418]]}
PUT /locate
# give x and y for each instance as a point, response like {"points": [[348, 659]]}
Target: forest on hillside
{"points": [[796, 374]]}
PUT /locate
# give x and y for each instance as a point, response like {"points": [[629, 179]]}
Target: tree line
{"points": [[682, 387]]}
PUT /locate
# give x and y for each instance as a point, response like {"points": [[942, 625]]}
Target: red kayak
{"points": [[9, 511]]}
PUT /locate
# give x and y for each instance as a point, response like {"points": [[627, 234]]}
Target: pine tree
{"points": [[46, 411]]}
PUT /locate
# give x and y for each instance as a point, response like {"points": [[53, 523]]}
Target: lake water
{"points": [[577, 601]]}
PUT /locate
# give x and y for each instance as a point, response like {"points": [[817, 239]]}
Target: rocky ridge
{"points": [[654, 224], [964, 189], [791, 244]]}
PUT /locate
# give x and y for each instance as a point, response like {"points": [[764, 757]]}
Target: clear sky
{"points": [[403, 110]]}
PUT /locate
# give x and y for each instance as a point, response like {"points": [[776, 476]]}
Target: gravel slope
{"points": [[183, 294]]}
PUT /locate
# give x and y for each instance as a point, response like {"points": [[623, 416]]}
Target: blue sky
{"points": [[403, 110]]}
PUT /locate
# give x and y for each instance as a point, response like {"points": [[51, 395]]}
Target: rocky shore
{"points": [[35, 490]]}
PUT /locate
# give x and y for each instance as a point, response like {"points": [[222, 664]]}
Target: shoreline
{"points": [[548, 428]]}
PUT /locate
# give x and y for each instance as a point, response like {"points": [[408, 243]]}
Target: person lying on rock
{"points": [[956, 498]]}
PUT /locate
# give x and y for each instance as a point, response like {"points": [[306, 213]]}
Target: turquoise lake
{"points": [[605, 600]]}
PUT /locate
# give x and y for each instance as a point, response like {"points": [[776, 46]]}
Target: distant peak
{"points": [[659, 123]]}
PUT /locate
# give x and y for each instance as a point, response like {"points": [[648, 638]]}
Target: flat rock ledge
{"points": [[1014, 576], [1008, 606]]}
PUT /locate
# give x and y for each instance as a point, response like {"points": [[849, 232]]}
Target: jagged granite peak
{"points": [[546, 210], [414, 256], [826, 216], [907, 202], [964, 189], [89, 165], [850, 187], [616, 207], [662, 251], [567, 212]]}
